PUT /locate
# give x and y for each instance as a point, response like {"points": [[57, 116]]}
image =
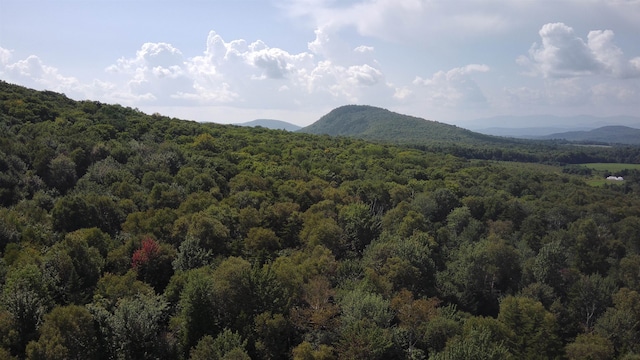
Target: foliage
{"points": [[66, 333], [153, 237]]}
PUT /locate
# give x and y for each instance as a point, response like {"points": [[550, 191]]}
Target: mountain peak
{"points": [[374, 123], [271, 124]]}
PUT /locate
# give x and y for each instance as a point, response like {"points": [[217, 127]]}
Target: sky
{"points": [[228, 61]]}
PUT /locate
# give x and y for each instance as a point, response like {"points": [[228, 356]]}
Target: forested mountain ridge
{"points": [[373, 123], [130, 236]]}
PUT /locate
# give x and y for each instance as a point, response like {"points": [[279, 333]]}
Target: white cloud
{"points": [[405, 20], [338, 82], [5, 55], [423, 22], [330, 45], [450, 88], [611, 56], [276, 63], [364, 49], [402, 93], [562, 53], [250, 75], [31, 72], [157, 72]]}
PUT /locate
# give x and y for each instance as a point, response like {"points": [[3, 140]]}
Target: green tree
{"points": [[620, 324], [359, 304], [535, 329], [591, 246], [260, 243], [62, 173], [227, 345], [479, 273], [475, 345], [211, 232], [72, 269], [274, 335], [359, 224], [440, 329], [364, 339], [306, 351], [284, 218], [26, 299], [133, 328], [197, 310], [549, 263], [322, 231], [66, 333], [191, 255], [111, 288], [72, 213], [589, 297], [591, 347]]}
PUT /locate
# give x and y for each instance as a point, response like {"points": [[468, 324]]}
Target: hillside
{"points": [[132, 236], [271, 124], [606, 134], [372, 123]]}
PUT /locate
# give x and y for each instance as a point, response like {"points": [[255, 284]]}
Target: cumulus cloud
{"points": [[5, 55], [157, 72], [32, 72], [404, 20], [562, 53], [450, 88], [610, 56], [250, 74], [329, 44]]}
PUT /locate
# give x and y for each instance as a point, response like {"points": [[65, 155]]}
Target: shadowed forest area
{"points": [[133, 236]]}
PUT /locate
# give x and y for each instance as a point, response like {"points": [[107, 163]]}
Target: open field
{"points": [[532, 166], [598, 181], [612, 166]]}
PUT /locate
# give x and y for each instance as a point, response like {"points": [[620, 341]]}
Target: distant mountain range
{"points": [[272, 124], [545, 124], [606, 134], [528, 132], [372, 123]]}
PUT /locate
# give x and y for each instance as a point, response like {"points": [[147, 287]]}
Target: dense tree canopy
{"points": [[152, 237]]}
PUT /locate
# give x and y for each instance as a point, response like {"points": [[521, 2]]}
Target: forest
{"points": [[132, 236]]}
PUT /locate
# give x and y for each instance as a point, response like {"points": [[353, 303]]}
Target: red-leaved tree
{"points": [[152, 262], [149, 251]]}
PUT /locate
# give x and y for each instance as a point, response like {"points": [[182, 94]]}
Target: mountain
{"points": [[271, 124], [528, 132], [605, 134], [372, 123], [539, 125]]}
